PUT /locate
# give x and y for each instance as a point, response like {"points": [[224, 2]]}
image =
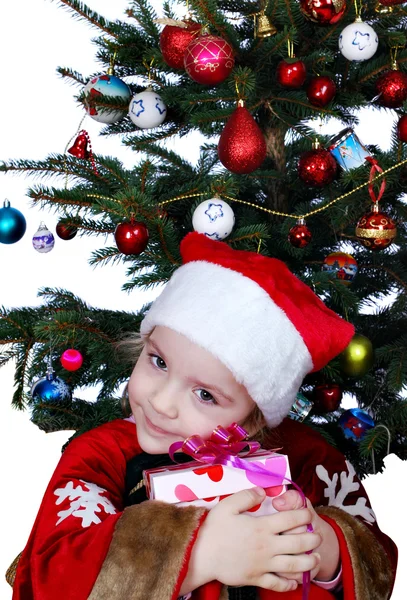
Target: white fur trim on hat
{"points": [[235, 319]]}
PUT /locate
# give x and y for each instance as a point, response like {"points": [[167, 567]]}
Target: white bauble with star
{"points": [[358, 41], [147, 110], [214, 218]]}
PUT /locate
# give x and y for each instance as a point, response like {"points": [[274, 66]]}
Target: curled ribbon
{"points": [[375, 168], [222, 448]]}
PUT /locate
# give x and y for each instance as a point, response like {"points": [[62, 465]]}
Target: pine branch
{"points": [[81, 11]]}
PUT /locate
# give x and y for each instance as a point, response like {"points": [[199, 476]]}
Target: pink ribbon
{"points": [[222, 448]]}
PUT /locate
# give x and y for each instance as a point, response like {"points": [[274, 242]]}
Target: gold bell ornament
{"points": [[263, 27]]}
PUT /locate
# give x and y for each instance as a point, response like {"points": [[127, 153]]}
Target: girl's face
{"points": [[178, 389]]}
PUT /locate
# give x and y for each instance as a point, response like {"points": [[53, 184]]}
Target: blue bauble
{"points": [[106, 85], [355, 423], [12, 224], [51, 389]]}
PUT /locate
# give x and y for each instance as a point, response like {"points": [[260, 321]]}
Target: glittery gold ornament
{"points": [[376, 230], [358, 357]]}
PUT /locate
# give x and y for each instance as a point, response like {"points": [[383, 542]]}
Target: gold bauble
{"points": [[358, 357]]}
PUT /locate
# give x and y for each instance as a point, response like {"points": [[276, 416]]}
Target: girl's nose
{"points": [[164, 402]]}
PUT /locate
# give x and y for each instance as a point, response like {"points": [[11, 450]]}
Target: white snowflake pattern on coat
{"points": [[84, 503], [347, 485]]}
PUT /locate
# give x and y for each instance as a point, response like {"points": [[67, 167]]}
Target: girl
{"points": [[230, 339]]}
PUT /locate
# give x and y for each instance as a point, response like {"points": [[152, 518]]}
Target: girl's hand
{"points": [[328, 549], [238, 549]]}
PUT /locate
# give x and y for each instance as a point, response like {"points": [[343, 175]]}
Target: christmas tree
{"points": [[256, 82]]}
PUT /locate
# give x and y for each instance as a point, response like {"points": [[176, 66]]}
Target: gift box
{"points": [[207, 484]]}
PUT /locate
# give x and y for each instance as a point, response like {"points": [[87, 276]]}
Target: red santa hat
{"points": [[254, 315]]}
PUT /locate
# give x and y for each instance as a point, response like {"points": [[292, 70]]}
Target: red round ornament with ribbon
{"points": [[376, 230]]}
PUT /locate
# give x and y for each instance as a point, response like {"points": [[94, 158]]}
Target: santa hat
{"points": [[254, 315]]}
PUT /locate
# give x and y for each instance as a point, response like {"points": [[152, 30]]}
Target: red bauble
{"points": [[317, 167], [402, 128], [209, 59], [71, 359], [291, 73], [175, 40], [391, 2], [376, 230], [392, 88], [299, 236], [327, 397], [242, 147], [131, 237], [321, 90], [66, 232], [323, 12]]}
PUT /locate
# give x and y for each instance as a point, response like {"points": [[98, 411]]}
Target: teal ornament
{"points": [[12, 224], [51, 389], [354, 423]]}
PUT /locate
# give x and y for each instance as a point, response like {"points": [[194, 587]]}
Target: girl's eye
{"points": [[157, 361], [205, 397]]}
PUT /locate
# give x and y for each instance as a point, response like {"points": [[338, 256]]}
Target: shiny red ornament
{"points": [[80, 146], [209, 59], [66, 232], [392, 88], [291, 73], [71, 359], [391, 2], [299, 236], [376, 230], [321, 90], [402, 128], [323, 12], [175, 40], [327, 397], [131, 237], [317, 167], [242, 147]]}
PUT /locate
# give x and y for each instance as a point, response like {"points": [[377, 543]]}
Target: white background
{"points": [[39, 116]]}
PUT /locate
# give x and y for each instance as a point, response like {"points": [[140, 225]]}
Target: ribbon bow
{"points": [[223, 447], [225, 442]]}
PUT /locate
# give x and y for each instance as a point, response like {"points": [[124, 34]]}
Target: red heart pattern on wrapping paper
{"points": [[274, 491], [214, 472]]}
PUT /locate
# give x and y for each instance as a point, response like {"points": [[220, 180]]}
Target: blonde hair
{"points": [[128, 350]]}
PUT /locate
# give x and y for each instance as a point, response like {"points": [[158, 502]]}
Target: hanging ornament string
{"points": [[358, 9], [393, 56], [376, 168]]}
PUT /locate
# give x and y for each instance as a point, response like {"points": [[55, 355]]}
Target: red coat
{"points": [[85, 545]]}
